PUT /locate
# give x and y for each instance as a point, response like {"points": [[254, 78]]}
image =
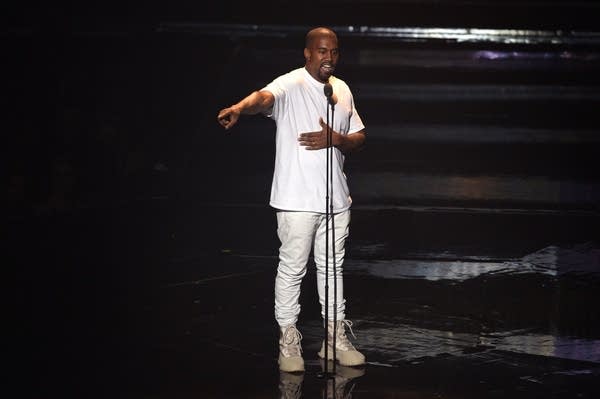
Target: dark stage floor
{"points": [[172, 299]]}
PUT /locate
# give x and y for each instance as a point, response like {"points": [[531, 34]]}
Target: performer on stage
{"points": [[298, 105]]}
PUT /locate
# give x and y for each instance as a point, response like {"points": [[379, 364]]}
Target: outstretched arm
{"points": [[258, 101], [345, 143]]}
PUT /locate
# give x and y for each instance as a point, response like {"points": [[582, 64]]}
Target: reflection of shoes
{"points": [[341, 386], [346, 372], [346, 354], [290, 385], [349, 373], [290, 351]]}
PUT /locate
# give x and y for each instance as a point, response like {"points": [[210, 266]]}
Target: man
{"points": [[298, 105]]}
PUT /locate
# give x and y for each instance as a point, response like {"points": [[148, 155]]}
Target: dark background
{"points": [[117, 179], [114, 101]]}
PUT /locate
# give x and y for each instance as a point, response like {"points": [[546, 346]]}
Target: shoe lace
{"points": [[341, 339], [291, 342]]}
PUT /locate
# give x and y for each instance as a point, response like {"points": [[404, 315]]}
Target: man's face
{"points": [[322, 57]]}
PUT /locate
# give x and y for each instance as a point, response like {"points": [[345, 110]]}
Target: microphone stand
{"points": [[329, 214]]}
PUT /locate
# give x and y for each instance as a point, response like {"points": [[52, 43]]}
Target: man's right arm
{"points": [[256, 102]]}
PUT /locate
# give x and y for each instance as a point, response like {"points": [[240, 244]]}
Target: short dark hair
{"points": [[318, 32]]}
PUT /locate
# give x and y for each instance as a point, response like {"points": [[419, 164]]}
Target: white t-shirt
{"points": [[299, 179]]}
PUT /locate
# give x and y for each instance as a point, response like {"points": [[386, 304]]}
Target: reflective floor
{"points": [[164, 299]]}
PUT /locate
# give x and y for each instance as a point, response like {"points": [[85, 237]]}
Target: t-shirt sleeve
{"points": [[277, 88], [356, 123]]}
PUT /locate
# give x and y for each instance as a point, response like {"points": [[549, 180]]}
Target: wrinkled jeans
{"points": [[298, 233]]}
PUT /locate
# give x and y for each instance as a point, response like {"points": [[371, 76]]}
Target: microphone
{"points": [[328, 90]]}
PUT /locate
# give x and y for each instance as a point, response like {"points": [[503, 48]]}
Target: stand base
{"points": [[328, 369], [326, 375]]}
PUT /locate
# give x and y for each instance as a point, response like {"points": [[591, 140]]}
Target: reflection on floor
{"points": [[154, 300]]}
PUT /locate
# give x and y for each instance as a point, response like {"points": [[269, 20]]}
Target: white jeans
{"points": [[298, 232]]}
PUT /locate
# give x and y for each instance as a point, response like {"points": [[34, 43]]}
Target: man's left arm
{"points": [[349, 143]]}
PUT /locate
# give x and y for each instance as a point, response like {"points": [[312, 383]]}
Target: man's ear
{"points": [[306, 54]]}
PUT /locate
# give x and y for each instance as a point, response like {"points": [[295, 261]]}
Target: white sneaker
{"points": [[346, 354], [290, 351]]}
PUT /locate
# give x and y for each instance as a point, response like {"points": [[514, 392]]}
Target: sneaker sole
{"points": [[291, 369], [321, 354]]}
